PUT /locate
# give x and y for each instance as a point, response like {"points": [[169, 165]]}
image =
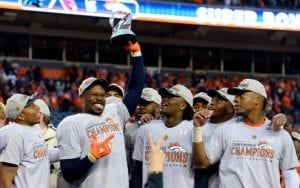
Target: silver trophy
{"points": [[121, 30]]}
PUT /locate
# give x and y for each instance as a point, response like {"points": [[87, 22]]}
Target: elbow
{"points": [[68, 177]]}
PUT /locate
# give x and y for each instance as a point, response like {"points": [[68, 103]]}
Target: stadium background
{"points": [[51, 53]]}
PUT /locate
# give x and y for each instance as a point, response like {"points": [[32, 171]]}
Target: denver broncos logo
{"points": [[264, 145], [176, 147]]}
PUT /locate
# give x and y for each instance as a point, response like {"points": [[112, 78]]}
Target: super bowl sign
{"points": [[167, 12]]}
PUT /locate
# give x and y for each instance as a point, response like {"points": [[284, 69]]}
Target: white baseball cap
{"points": [[223, 93], [89, 81], [17, 102], [296, 136], [151, 95], [115, 87], [202, 95], [180, 91], [249, 85], [43, 106]]}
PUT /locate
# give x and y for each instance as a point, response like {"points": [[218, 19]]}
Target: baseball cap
{"points": [[115, 87], [223, 93], [249, 85], [89, 82], [43, 106], [17, 102], [179, 91], [202, 95], [296, 136], [151, 95]]}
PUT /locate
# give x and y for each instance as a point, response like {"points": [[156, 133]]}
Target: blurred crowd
{"points": [[62, 96]]}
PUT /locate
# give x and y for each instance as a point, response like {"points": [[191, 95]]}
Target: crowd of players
{"points": [[217, 138]]}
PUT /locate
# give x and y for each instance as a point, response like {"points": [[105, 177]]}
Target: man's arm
{"points": [[75, 169], [7, 174], [136, 80], [291, 178], [199, 154]]}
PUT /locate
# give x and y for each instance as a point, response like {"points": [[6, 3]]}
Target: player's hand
{"points": [[145, 118], [157, 156], [278, 122], [132, 47], [101, 149], [201, 117]]}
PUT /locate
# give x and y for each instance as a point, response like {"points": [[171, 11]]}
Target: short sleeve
{"points": [[288, 157], [68, 140], [215, 146], [11, 147], [123, 113], [139, 145]]}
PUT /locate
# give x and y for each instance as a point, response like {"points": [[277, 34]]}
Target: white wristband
{"points": [[136, 54], [197, 134]]}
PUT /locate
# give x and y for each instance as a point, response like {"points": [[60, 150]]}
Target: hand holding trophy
{"points": [[121, 31]]}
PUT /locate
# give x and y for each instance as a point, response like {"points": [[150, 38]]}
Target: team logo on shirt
{"points": [[176, 155], [176, 147]]}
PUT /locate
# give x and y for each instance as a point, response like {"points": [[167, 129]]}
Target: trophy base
{"points": [[122, 36]]}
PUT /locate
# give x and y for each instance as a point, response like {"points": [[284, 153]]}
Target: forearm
{"points": [[199, 155], [291, 178], [135, 84], [75, 169], [7, 175], [6, 182]]}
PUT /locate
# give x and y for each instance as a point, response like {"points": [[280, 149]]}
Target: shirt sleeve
{"points": [[288, 159], [123, 113], [68, 140], [139, 145], [215, 146], [11, 148]]}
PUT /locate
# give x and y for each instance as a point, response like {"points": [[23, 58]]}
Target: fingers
{"points": [[150, 140], [94, 138], [108, 139], [160, 141]]}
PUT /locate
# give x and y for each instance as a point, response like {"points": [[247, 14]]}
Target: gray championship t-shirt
{"points": [[251, 156], [177, 170], [24, 146], [74, 135]]}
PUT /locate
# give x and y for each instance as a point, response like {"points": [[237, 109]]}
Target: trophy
{"points": [[121, 32]]}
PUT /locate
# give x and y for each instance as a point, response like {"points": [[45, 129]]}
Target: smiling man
{"points": [[23, 152], [92, 148]]}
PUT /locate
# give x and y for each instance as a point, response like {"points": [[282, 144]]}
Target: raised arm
{"points": [[199, 154], [137, 78]]}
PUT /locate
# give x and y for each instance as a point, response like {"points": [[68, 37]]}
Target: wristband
{"points": [[153, 173], [136, 54], [197, 134], [92, 158]]}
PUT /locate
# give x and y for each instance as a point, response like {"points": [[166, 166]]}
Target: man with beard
{"points": [[149, 105], [85, 160], [249, 150], [177, 110], [222, 109]]}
